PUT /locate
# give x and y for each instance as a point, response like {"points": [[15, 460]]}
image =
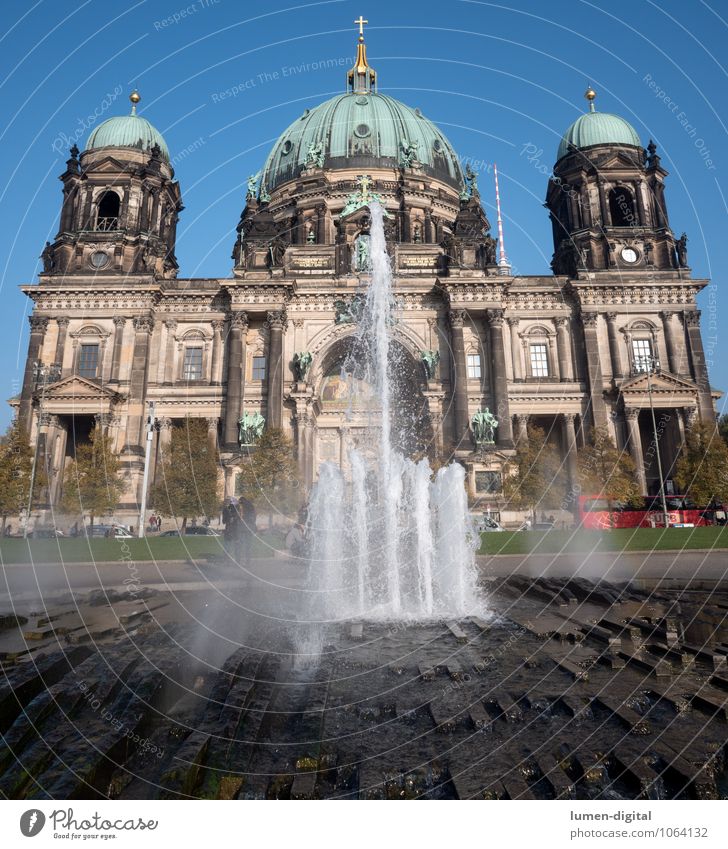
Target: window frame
{"points": [[199, 373], [544, 362], [255, 367], [635, 344], [81, 369], [474, 363]]}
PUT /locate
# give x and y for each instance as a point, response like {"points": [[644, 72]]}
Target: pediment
{"points": [[664, 382], [79, 388], [108, 164]]}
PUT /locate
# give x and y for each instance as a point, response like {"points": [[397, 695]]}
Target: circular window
{"points": [[437, 145], [287, 146], [362, 101], [418, 113], [306, 113], [362, 130], [99, 260], [629, 255]]}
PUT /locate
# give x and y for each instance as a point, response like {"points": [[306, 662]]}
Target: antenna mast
{"points": [[503, 265]]}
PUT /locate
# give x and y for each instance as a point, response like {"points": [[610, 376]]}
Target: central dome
{"points": [[361, 130]]}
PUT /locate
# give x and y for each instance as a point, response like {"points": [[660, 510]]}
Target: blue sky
{"points": [[221, 80]]}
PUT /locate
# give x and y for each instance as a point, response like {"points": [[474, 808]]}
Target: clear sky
{"points": [[222, 79]]}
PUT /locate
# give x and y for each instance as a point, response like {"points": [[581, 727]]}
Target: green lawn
{"points": [[636, 539], [151, 548]]}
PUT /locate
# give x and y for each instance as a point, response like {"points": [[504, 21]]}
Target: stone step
{"points": [[457, 632], [561, 784], [630, 718]]}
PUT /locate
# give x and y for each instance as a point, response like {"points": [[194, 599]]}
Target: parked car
{"points": [[201, 531], [45, 533], [174, 533], [114, 531], [485, 524]]}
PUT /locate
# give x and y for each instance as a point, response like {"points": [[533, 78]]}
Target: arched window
{"points": [[621, 207], [109, 206]]}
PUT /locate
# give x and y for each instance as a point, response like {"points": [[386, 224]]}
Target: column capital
{"points": [[457, 318], [569, 418], [143, 323], [692, 318], [522, 418], [120, 320], [562, 321], [495, 317], [63, 321], [513, 321], [277, 319], [631, 414], [589, 319], [217, 325], [239, 320], [212, 421], [611, 317], [38, 323], [170, 324], [666, 315]]}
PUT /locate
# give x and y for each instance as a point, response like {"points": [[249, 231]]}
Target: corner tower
{"points": [[606, 200], [120, 204]]}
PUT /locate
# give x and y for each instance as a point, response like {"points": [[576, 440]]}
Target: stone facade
{"points": [[563, 350]]}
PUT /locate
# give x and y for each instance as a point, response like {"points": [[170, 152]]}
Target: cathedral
{"points": [[612, 333]]}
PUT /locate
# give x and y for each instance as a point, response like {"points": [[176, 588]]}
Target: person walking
{"points": [[231, 534]]}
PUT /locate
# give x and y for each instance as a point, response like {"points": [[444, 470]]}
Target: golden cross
{"points": [[360, 23], [364, 182]]}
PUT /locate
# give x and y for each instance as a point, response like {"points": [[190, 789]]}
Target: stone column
{"points": [[460, 376], [217, 328], [276, 326], [563, 346], [235, 377], [554, 363], [671, 343], [38, 327], [635, 446], [570, 448], [62, 323], [522, 424], [143, 326], [500, 382], [170, 326], [119, 325], [699, 367], [614, 352], [598, 408], [513, 324], [603, 207]]}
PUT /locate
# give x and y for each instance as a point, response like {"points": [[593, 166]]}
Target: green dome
{"points": [[598, 128], [127, 131], [361, 130]]}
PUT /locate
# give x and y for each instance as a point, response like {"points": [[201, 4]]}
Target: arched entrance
{"points": [[349, 409]]}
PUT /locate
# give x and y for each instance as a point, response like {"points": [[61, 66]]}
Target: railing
{"points": [[106, 222]]}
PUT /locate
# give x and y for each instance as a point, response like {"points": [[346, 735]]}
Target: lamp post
{"points": [[650, 364], [43, 374], [150, 428]]}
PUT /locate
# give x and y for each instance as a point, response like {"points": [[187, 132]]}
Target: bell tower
{"points": [[120, 204], [606, 200]]}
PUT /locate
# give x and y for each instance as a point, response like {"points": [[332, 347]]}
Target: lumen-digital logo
{"points": [[32, 822]]}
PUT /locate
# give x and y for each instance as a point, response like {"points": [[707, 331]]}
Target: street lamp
{"points": [[43, 374], [649, 364]]}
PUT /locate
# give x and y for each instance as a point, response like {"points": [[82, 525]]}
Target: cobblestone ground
{"points": [[567, 690]]}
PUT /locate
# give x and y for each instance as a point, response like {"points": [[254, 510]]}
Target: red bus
{"points": [[594, 513]]}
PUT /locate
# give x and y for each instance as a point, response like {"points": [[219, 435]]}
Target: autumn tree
{"points": [[536, 476], [607, 472], [270, 478], [92, 484], [702, 468], [16, 461], [187, 484]]}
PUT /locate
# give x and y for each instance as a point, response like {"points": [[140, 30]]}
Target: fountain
{"points": [[391, 543]]}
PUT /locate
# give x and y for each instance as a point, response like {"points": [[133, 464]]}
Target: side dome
{"points": [[595, 128], [361, 130], [128, 131]]}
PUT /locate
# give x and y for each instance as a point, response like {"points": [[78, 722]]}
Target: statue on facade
{"points": [[48, 258], [348, 312], [264, 196], [301, 365], [311, 237], [408, 153], [315, 155], [681, 248], [471, 178], [252, 186], [489, 246], [276, 252], [250, 428], [483, 425], [430, 359], [362, 259]]}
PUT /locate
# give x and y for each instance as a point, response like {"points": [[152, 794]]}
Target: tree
{"points": [[607, 472], [723, 427], [536, 477], [702, 468], [16, 461], [91, 483], [188, 483], [270, 478]]}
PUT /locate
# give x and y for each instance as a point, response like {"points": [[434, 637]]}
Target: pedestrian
{"points": [[248, 529], [231, 534]]}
